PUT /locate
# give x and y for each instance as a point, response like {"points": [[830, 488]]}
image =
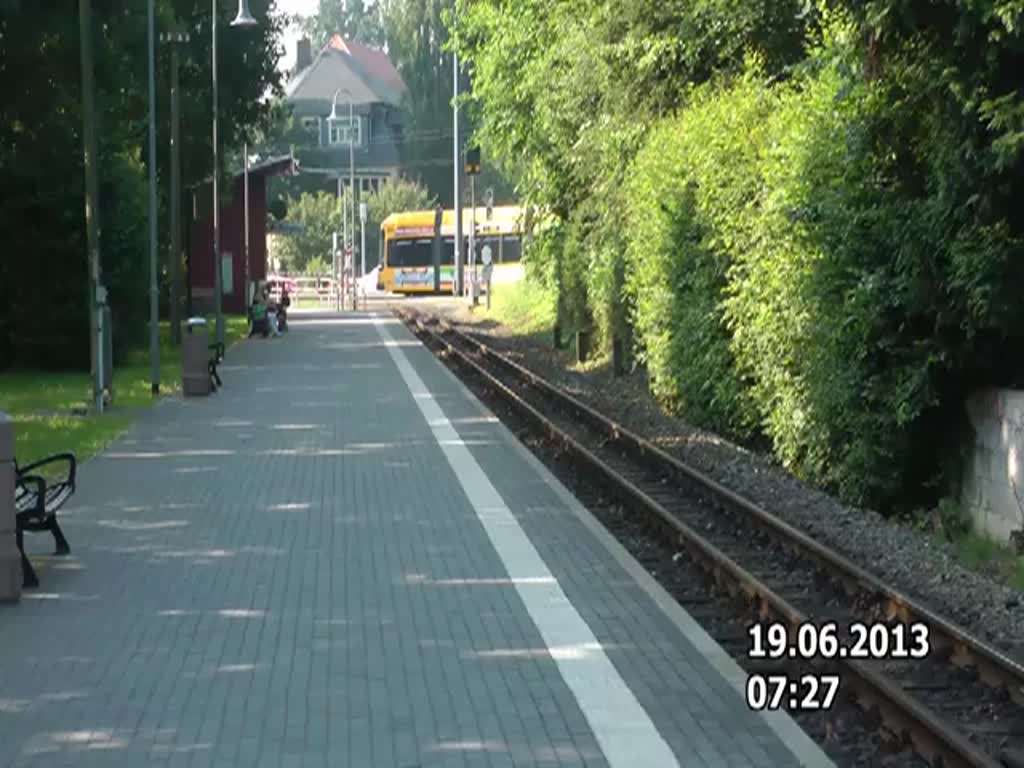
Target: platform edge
{"points": [[802, 747]]}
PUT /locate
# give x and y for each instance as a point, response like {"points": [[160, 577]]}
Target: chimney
{"points": [[303, 54]]}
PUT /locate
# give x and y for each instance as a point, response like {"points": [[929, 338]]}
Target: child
{"points": [[271, 315], [258, 316]]}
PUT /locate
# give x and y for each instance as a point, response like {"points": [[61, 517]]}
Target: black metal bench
{"points": [[37, 498], [216, 357]]}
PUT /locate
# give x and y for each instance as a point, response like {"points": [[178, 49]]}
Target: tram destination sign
{"points": [[414, 232]]}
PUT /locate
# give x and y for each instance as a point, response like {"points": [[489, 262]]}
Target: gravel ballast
{"points": [[910, 560]]}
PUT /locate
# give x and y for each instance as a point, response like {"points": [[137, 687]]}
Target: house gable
{"points": [[377, 92], [367, 74]]}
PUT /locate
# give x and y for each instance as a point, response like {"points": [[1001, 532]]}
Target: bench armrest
{"points": [[22, 489], [67, 458]]}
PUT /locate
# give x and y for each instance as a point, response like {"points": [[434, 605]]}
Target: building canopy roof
{"points": [[280, 165]]}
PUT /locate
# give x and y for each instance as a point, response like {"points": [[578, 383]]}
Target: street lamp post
{"points": [[457, 285], [350, 237], [363, 239], [92, 199], [154, 294], [176, 38], [243, 19], [472, 170], [245, 239], [338, 261]]}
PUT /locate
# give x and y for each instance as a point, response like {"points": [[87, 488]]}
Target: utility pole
{"points": [[243, 19], [362, 238], [218, 268], [473, 288], [334, 268], [472, 170], [92, 196], [457, 168], [245, 238], [338, 262], [352, 184], [344, 253], [154, 293], [175, 261]]}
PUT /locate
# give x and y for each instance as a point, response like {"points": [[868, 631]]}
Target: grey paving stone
{"points": [[669, 676], [288, 573]]}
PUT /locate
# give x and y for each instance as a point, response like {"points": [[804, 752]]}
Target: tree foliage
{"points": [[322, 215], [805, 212], [353, 19], [45, 320], [416, 40]]}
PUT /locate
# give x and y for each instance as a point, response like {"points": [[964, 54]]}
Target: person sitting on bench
{"points": [[282, 310], [272, 310], [258, 316]]}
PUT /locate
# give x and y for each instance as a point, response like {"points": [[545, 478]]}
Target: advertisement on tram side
{"points": [[420, 277]]}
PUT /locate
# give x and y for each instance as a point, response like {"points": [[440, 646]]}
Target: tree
{"points": [[564, 92], [320, 215], [352, 19], [416, 39], [41, 175], [392, 198]]}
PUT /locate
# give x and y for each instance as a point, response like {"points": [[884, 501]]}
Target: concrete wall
{"points": [[993, 488]]}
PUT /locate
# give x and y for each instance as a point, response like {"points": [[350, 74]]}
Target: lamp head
{"points": [[244, 17]]}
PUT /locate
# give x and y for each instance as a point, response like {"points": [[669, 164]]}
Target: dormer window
{"points": [[342, 132], [311, 125]]}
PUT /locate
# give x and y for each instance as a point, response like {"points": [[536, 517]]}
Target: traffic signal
{"points": [[473, 161]]}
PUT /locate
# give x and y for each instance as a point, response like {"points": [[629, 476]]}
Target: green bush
{"points": [[323, 214], [571, 263], [687, 216], [872, 282], [821, 246]]}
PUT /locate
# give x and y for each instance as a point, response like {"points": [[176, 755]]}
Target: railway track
{"points": [[960, 704]]}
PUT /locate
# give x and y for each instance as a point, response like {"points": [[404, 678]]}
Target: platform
{"points": [[342, 559]]}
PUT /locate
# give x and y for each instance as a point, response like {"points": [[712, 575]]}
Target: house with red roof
{"points": [[367, 78]]}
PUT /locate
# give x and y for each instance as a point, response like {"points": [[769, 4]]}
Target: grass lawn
{"points": [[308, 302], [522, 305], [528, 311], [41, 402]]}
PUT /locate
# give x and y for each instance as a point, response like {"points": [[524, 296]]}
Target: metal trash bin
{"points": [[195, 358]]}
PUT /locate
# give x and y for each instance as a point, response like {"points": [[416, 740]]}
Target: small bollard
{"points": [[10, 558]]}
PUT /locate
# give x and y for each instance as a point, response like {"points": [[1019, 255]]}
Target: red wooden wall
{"points": [[232, 230]]}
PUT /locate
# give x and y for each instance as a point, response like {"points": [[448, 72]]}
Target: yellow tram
{"points": [[407, 248]]}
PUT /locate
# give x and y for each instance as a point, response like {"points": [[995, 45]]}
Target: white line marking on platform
{"points": [[623, 730], [803, 747]]}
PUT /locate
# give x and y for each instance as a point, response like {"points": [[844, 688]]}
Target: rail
{"points": [[935, 736]]}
